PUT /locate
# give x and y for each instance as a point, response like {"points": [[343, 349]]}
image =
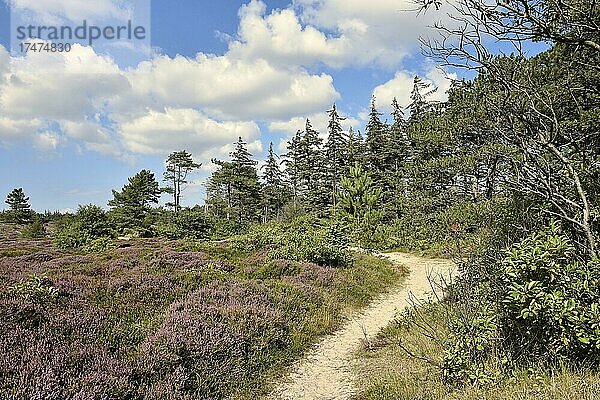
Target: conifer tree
{"points": [[219, 193], [358, 205], [336, 154], [246, 187], [132, 204], [376, 146], [362, 153], [398, 155], [20, 209], [234, 189], [179, 165], [311, 168], [419, 105], [275, 192], [292, 162], [355, 150]]}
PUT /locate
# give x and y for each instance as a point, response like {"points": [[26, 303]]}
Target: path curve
{"points": [[325, 373]]}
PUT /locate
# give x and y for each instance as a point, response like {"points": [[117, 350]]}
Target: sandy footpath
{"points": [[325, 373]]}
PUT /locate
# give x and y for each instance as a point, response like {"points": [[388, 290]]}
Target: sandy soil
{"points": [[325, 373]]}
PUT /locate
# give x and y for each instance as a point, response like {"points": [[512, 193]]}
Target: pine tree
{"points": [[246, 187], [131, 206], [358, 205], [397, 115], [179, 165], [362, 153], [20, 210], [336, 154], [220, 190], [275, 192]]}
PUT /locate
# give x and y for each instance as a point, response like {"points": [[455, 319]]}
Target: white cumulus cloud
{"points": [[160, 133], [337, 33], [230, 88]]}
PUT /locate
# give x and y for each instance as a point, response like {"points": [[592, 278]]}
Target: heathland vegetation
{"points": [[211, 301]]}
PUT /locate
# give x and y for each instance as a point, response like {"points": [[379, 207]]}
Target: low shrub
{"points": [[35, 230], [89, 223], [71, 237], [260, 236], [36, 288], [550, 302], [219, 336], [98, 245], [542, 308], [468, 349], [459, 229], [305, 239], [186, 224], [149, 321]]}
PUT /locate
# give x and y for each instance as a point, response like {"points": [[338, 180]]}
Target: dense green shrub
{"points": [[303, 239], [550, 301], [317, 246], [35, 230], [69, 236], [93, 221], [260, 236], [186, 224], [89, 223], [460, 228], [98, 245], [468, 348], [542, 308]]}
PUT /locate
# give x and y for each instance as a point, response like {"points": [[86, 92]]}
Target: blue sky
{"points": [[220, 69]]}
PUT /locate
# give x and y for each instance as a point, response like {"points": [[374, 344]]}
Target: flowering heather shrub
{"points": [[68, 262], [273, 269], [38, 257], [61, 356], [297, 299], [14, 269], [118, 266], [187, 261], [13, 248], [130, 251], [178, 260], [142, 291], [315, 275], [9, 231], [147, 321], [218, 338]]}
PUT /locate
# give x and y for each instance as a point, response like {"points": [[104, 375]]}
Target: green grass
{"points": [[368, 275], [387, 372]]}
